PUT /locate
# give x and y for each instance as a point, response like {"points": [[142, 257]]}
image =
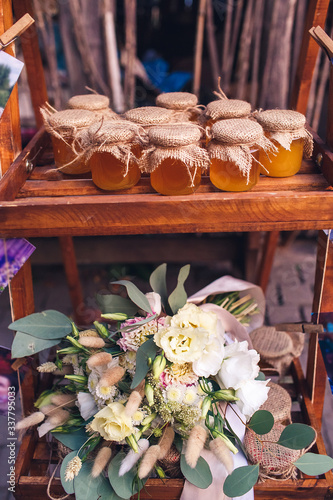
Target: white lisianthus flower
{"points": [[154, 300], [86, 404], [252, 394], [239, 365], [211, 358], [192, 316], [182, 345]]}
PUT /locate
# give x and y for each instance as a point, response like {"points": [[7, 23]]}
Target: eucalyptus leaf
{"points": [[46, 325], [67, 485], [26, 345], [122, 485], [261, 422], [147, 351], [241, 480], [135, 295], [200, 476], [314, 464], [178, 297], [261, 376], [110, 303], [297, 436], [178, 442], [73, 440], [157, 282], [88, 488]]}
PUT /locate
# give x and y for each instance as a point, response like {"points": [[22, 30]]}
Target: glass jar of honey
{"points": [[234, 153], [225, 109], [286, 129], [174, 158], [93, 102], [109, 147], [64, 127], [183, 104]]}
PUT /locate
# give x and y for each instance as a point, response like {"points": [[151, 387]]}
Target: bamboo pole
{"points": [[211, 40], [244, 52], [112, 61], [226, 45], [298, 35], [199, 46], [257, 33], [130, 47], [270, 55], [234, 39], [285, 55]]}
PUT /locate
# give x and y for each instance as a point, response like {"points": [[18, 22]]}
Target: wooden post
{"points": [[211, 40], [130, 46], [198, 47], [10, 131], [265, 267]]}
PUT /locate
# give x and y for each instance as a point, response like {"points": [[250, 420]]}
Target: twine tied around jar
{"points": [[224, 108], [182, 104], [284, 126], [232, 140], [275, 461], [177, 141]]}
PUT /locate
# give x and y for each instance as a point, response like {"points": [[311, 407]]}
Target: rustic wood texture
{"points": [[323, 293], [17, 29], [271, 241], [199, 37], [10, 130]]}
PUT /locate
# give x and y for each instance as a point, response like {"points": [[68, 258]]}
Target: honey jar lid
{"points": [[91, 102], [228, 108], [71, 119], [236, 131], [110, 132], [175, 135], [149, 115], [274, 120], [177, 100]]}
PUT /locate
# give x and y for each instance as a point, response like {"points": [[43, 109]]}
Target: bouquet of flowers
{"points": [[158, 375]]}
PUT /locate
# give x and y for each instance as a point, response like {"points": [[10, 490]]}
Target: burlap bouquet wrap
{"points": [[275, 461], [284, 126], [278, 403], [114, 137], [179, 141], [227, 108], [93, 102], [232, 141], [149, 116], [183, 104]]}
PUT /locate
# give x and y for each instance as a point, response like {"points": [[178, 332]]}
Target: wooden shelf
{"points": [[49, 203]]}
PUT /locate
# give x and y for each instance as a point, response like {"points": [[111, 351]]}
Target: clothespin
{"points": [[325, 42], [15, 31]]}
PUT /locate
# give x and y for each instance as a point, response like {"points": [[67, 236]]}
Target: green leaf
{"points": [[26, 345], [135, 325], [122, 485], [67, 485], [200, 476], [45, 325], [88, 488], [261, 376], [157, 282], [241, 480], [178, 442], [261, 422], [178, 297], [297, 436], [314, 464], [135, 295], [147, 351], [110, 303], [73, 440]]}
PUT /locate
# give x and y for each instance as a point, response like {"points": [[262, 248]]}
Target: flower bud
{"points": [[160, 472], [101, 330], [75, 331], [226, 440], [149, 392], [132, 442], [158, 365], [75, 343], [70, 350], [80, 379], [225, 395], [115, 316], [148, 420], [206, 405]]}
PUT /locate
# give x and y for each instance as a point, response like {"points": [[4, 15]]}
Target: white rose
{"points": [[192, 316], [182, 345], [112, 423], [252, 394], [211, 358], [239, 365]]}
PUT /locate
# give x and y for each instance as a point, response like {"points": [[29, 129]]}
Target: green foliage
{"points": [[200, 476], [297, 436], [178, 297], [67, 485], [261, 422], [88, 488], [73, 440], [241, 480], [110, 303], [124, 486], [45, 325], [261, 376], [144, 356], [313, 464], [135, 295], [26, 345], [158, 284]]}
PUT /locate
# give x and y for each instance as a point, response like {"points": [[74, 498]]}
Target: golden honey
{"points": [[64, 155], [173, 177], [109, 173], [226, 175], [284, 163]]}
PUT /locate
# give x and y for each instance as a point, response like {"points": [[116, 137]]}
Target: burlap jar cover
{"points": [[114, 137], [93, 102], [233, 139], [278, 403], [179, 141], [227, 108], [277, 348], [148, 116], [66, 126], [183, 104], [284, 126], [275, 461]]}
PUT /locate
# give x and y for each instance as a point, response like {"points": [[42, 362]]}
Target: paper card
{"points": [[13, 254], [10, 69]]}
